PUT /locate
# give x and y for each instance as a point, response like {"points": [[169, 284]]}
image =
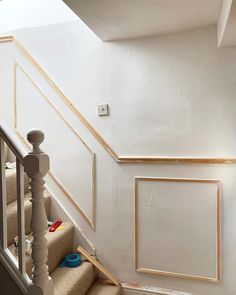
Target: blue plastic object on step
{"points": [[71, 260]]}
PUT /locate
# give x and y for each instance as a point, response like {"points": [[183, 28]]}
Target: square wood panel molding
{"points": [[90, 220], [148, 270]]}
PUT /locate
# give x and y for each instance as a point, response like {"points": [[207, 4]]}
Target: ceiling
{"points": [[123, 19]]}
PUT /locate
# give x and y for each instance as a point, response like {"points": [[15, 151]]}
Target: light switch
{"points": [[103, 110]]}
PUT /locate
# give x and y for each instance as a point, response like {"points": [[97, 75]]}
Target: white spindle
{"points": [[3, 205], [36, 166], [21, 215]]}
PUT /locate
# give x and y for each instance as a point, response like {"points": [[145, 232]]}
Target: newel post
{"points": [[36, 165]]}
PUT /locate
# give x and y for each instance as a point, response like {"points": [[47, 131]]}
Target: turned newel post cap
{"points": [[36, 137], [36, 162]]}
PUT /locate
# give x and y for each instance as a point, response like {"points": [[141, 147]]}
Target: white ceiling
{"points": [[122, 19]]}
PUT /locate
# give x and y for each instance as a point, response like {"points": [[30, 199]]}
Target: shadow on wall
{"points": [[8, 286]]}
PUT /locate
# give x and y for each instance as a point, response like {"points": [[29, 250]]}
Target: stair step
{"points": [[11, 185], [73, 281], [12, 216], [60, 243], [102, 287], [67, 281]]}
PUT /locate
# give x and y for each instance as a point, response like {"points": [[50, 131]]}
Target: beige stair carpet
{"points": [[59, 245], [73, 281], [12, 217], [67, 281], [100, 287], [11, 185]]}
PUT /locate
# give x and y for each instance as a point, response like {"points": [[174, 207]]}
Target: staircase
{"points": [[84, 279]]}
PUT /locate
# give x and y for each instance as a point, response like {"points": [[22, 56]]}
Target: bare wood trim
{"points": [[21, 215], [94, 191], [98, 265], [92, 221], [14, 96], [172, 179], [66, 100], [218, 228], [4, 39], [178, 275], [136, 224], [70, 197], [218, 232], [51, 104], [152, 290], [99, 138], [176, 160], [73, 201]]}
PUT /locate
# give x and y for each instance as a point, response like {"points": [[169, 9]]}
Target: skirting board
{"points": [[128, 289]]}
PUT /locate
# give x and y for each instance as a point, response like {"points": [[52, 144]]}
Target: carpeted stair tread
{"points": [[73, 281], [101, 287], [60, 243], [11, 185], [81, 280], [12, 216]]}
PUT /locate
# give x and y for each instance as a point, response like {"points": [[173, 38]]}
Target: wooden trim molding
{"points": [[118, 158], [140, 289], [99, 266], [215, 279], [90, 221]]}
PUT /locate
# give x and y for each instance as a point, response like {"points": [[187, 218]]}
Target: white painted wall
{"points": [[27, 13], [173, 95], [174, 75]]}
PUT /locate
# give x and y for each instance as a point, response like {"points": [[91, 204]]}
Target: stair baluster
{"points": [[21, 215], [36, 165], [3, 204]]}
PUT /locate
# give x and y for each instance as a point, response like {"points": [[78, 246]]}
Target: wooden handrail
{"points": [[12, 142]]}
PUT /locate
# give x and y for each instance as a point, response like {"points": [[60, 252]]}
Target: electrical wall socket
{"points": [[103, 110]]}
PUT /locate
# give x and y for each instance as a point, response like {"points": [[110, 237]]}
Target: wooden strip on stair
{"points": [[100, 267]]}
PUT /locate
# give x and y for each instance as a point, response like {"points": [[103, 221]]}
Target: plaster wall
{"points": [[25, 13], [171, 96], [169, 83]]}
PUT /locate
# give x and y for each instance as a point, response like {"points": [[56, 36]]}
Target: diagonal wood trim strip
{"points": [[100, 267], [6, 39], [100, 139], [91, 221]]}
